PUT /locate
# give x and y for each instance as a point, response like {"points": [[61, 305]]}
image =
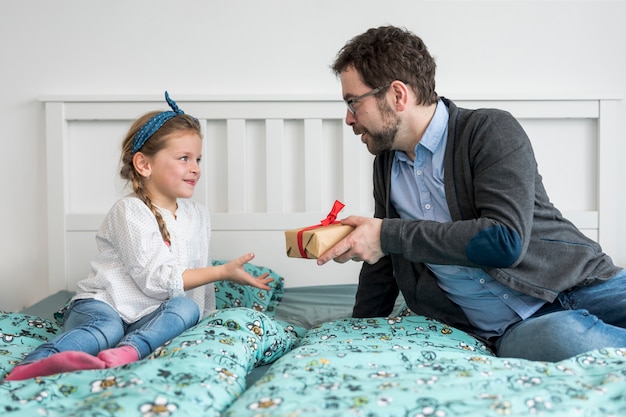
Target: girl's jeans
{"points": [[91, 326], [580, 320]]}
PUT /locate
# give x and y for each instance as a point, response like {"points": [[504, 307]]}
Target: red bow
{"points": [[330, 219]]}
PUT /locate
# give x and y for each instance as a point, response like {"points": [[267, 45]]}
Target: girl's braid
{"points": [[138, 188]]}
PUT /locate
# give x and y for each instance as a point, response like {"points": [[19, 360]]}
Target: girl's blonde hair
{"points": [[156, 142]]}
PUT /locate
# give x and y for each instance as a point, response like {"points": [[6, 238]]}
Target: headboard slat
{"points": [[313, 165], [236, 156], [274, 170]]}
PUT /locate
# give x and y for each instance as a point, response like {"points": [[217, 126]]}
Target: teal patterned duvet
{"points": [[407, 366], [413, 366], [199, 373]]}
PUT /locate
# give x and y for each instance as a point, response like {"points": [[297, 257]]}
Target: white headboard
{"points": [[277, 163]]}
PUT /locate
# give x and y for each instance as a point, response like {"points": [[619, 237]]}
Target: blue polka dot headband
{"points": [[155, 124]]}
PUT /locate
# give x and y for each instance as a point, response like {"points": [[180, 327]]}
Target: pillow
{"points": [[231, 295]]}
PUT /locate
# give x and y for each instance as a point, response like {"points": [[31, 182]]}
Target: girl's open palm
{"points": [[235, 272]]}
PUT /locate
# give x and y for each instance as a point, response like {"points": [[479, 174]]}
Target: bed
{"points": [[295, 350]]}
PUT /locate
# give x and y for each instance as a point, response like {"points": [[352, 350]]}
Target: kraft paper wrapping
{"points": [[315, 241]]}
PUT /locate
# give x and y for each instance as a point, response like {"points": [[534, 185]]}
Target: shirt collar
{"points": [[434, 133]]}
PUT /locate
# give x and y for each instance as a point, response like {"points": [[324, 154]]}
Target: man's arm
{"points": [[491, 192]]}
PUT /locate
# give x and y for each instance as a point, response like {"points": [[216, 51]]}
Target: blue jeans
{"points": [[92, 326], [580, 320]]}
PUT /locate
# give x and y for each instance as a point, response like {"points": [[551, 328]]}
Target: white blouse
{"points": [[135, 271]]}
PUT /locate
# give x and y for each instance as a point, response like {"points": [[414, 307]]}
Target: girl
{"points": [[151, 280]]}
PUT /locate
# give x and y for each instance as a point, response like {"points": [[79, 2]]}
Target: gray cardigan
{"points": [[502, 222]]}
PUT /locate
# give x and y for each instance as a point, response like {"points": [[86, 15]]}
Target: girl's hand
{"points": [[234, 271]]}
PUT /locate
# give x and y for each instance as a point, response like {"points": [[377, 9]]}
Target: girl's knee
{"points": [[186, 309]]}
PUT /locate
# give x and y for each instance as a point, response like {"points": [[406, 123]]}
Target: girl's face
{"points": [[175, 170]]}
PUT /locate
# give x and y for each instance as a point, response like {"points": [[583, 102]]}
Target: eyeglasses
{"points": [[350, 102]]}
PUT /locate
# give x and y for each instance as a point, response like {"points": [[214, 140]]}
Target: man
{"points": [[463, 226]]}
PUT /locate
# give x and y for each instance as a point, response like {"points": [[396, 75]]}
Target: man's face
{"points": [[373, 119]]}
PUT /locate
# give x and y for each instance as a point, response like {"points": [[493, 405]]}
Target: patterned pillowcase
{"points": [[231, 295]]}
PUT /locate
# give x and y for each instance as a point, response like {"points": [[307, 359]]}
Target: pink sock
{"points": [[118, 356], [60, 362]]}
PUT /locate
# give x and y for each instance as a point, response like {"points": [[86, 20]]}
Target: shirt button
{"points": [[482, 281], [419, 172], [505, 296], [427, 206]]}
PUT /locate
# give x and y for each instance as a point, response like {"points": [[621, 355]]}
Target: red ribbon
{"points": [[330, 219]]}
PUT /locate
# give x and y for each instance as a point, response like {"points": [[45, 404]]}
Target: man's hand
{"points": [[363, 244]]}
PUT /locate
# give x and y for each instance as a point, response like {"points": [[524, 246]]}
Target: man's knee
{"points": [[551, 337]]}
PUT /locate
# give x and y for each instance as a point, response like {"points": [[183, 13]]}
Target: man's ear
{"points": [[400, 94], [142, 164]]}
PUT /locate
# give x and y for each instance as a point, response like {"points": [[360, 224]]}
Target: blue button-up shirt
{"points": [[417, 192]]}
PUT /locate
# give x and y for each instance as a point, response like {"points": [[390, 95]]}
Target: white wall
{"points": [[541, 48]]}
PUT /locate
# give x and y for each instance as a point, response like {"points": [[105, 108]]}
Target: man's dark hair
{"points": [[387, 53]]}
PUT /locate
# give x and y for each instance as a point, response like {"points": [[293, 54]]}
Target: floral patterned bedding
{"points": [[413, 366], [398, 366], [199, 373]]}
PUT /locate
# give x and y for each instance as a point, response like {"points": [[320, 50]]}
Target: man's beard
{"points": [[383, 140]]}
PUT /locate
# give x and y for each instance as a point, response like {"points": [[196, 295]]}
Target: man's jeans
{"points": [[91, 326], [580, 320]]}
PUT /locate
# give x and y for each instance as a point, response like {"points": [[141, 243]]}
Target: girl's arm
{"points": [[232, 271]]}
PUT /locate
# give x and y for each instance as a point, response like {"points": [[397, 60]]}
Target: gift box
{"points": [[314, 242]]}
